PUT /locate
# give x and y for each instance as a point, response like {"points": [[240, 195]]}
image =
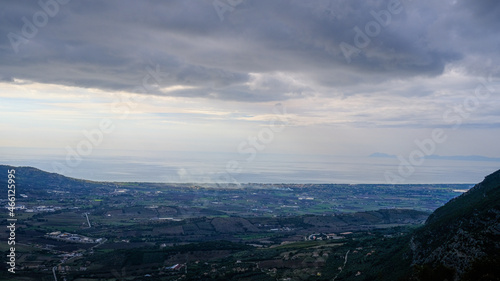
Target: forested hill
{"points": [[33, 179], [461, 240]]}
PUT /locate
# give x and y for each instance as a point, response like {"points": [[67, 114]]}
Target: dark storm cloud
{"points": [[109, 44]]}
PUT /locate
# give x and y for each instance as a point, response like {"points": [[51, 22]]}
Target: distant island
{"points": [[439, 157]]}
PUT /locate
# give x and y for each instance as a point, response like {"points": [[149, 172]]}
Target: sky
{"points": [[252, 91]]}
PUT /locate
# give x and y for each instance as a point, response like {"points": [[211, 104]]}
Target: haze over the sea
{"points": [[211, 168], [252, 91]]}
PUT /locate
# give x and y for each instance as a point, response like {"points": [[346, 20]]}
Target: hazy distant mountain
{"points": [[439, 157], [461, 240]]}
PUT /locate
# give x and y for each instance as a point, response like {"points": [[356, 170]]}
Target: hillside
{"points": [[461, 240], [33, 179]]}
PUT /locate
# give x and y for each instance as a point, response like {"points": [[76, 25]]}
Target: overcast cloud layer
{"points": [[352, 78], [257, 51]]}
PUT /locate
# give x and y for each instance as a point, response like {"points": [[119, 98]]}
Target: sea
{"points": [[212, 167]]}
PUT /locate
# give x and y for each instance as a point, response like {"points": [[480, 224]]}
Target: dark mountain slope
{"points": [[32, 179], [461, 240]]}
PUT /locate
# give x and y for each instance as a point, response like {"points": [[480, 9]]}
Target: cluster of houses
{"points": [[36, 209], [40, 209], [71, 237], [323, 236]]}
